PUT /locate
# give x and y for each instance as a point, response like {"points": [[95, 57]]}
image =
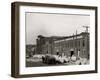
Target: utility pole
{"points": [[86, 42], [76, 43], [86, 28]]}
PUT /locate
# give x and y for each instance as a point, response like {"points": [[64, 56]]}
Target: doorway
{"points": [[71, 53]]}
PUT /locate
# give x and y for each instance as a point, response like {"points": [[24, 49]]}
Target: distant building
{"points": [[68, 45], [30, 50]]}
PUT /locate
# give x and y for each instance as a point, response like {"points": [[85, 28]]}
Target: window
{"points": [[79, 43], [83, 43]]}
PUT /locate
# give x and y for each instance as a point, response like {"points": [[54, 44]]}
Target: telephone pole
{"points": [[87, 41]]}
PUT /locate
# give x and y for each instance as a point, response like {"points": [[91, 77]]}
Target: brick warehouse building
{"points": [[64, 45]]}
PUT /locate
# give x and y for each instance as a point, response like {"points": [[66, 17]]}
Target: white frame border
{"points": [[53, 69]]}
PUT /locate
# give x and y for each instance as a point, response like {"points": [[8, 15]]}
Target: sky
{"points": [[47, 24]]}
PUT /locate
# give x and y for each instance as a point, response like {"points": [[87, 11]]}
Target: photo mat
{"points": [[28, 64]]}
